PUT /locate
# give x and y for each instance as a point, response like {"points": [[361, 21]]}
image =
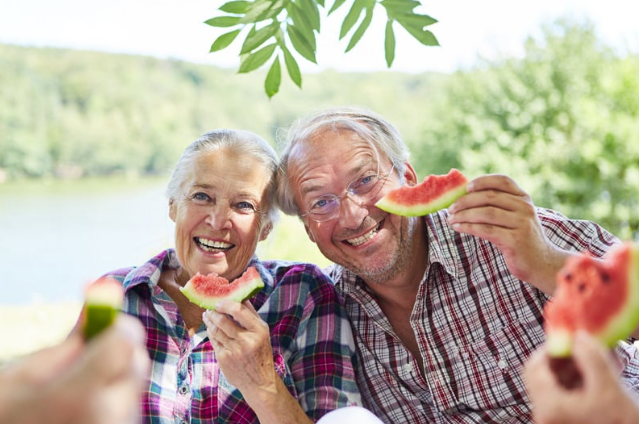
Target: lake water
{"points": [[57, 236]]}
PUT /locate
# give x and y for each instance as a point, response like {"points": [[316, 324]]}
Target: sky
{"points": [[466, 30]]}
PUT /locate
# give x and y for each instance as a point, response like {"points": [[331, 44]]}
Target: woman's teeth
{"points": [[210, 245]]}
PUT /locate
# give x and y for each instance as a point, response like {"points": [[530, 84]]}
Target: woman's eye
{"points": [[246, 206], [200, 197]]}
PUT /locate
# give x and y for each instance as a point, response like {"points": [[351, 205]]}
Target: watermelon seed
{"points": [[605, 278], [568, 277], [581, 287]]}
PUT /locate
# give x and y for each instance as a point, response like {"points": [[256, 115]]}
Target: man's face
{"points": [[370, 242]]}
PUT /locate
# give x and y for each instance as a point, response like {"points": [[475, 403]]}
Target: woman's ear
{"points": [[266, 230], [172, 209]]}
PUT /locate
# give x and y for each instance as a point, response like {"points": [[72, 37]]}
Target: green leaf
{"points": [[311, 11], [273, 78], [416, 21], [302, 23], [292, 67], [423, 36], [256, 9], [400, 6], [224, 40], [336, 5], [389, 44], [236, 7], [257, 59], [300, 44], [361, 29], [261, 10], [223, 21], [257, 37], [352, 17]]}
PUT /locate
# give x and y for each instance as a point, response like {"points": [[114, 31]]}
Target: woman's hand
{"points": [[242, 344]]}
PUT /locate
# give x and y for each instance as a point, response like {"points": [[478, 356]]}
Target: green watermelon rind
{"points": [[247, 290], [441, 202], [103, 302], [559, 341]]}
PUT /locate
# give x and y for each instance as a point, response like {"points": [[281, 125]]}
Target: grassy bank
{"points": [[31, 327]]}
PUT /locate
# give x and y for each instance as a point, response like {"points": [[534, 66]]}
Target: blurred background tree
{"points": [[562, 119]]}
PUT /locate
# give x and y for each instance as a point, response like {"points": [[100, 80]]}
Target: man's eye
{"points": [[364, 181], [322, 204], [319, 204]]}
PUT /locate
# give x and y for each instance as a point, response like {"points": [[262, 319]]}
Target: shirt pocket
{"points": [[487, 374]]}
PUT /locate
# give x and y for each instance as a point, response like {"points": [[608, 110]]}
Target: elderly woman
{"points": [[285, 356]]}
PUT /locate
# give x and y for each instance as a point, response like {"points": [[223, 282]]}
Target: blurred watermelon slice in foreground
{"points": [[207, 291], [434, 193], [103, 301], [600, 296]]}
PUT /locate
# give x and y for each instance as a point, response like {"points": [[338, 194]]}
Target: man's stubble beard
{"points": [[397, 261]]}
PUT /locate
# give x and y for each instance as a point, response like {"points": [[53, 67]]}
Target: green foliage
{"points": [[294, 25], [68, 114], [562, 121]]}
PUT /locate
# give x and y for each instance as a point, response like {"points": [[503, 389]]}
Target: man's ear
{"points": [[172, 209], [410, 176], [266, 230], [309, 233]]}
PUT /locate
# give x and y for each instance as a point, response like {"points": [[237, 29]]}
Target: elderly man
{"points": [[445, 308]]}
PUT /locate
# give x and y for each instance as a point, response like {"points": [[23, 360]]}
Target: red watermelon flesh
{"points": [[207, 291], [600, 296], [434, 193]]}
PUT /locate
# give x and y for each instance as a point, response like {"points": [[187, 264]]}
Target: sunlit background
{"points": [[98, 99]]}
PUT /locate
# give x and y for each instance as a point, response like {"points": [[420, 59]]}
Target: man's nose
{"points": [[352, 211]]}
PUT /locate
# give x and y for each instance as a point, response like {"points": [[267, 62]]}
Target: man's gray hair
{"points": [[370, 127], [238, 141]]}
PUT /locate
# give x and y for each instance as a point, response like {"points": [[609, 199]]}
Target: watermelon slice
{"points": [[434, 193], [103, 301], [600, 296], [207, 291]]}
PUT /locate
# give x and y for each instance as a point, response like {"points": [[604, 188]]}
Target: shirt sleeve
{"points": [[575, 235], [323, 365]]}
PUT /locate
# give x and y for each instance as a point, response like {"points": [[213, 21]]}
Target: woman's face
{"points": [[219, 216]]}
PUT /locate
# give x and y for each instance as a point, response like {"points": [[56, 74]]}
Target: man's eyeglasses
{"points": [[366, 187]]}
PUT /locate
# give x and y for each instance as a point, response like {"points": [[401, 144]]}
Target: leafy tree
{"points": [[273, 29], [563, 121]]}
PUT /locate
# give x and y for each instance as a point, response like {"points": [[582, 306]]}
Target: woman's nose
{"points": [[218, 217]]}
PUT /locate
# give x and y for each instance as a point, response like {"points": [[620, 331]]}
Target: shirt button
{"points": [[502, 364], [183, 390], [408, 367]]}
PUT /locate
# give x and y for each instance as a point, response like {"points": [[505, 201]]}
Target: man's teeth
{"points": [[211, 245], [364, 238]]}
